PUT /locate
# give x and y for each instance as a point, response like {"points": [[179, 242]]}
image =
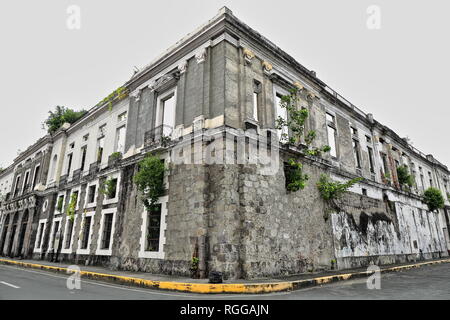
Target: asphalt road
{"points": [[430, 282]]}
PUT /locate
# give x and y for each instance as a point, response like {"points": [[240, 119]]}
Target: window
{"points": [[102, 130], [280, 113], [166, 113], [421, 177], [75, 195], [100, 146], [25, 182], [60, 204], [256, 99], [122, 117], [430, 178], [385, 164], [69, 162], [371, 164], [330, 118], [83, 158], [16, 190], [68, 235], [35, 176], [5, 230], [354, 131], [413, 172], [153, 229], [120, 139], [364, 191], [72, 145], [332, 134], [112, 191], [54, 234], [107, 228], [91, 193], [86, 232], [355, 145], [368, 139], [40, 234], [85, 137]]}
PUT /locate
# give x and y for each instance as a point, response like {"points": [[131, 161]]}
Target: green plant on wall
{"points": [[150, 180], [448, 196], [72, 206], [387, 177], [109, 188], [60, 116], [295, 178], [404, 178], [115, 156], [119, 94], [434, 199], [331, 190], [295, 125]]}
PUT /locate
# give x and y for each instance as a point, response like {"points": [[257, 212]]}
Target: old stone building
{"points": [[208, 106]]}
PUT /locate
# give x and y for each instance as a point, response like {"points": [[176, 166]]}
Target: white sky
{"points": [[399, 73]]}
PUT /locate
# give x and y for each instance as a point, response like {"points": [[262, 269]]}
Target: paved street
{"points": [[430, 282]]}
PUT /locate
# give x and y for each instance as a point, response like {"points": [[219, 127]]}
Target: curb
{"points": [[207, 288]]}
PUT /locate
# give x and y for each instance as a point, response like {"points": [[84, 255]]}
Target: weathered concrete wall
{"points": [[369, 230]]}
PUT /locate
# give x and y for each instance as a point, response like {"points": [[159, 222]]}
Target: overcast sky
{"points": [[399, 73]]}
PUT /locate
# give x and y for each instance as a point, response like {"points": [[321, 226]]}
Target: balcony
{"points": [[76, 175], [63, 180], [159, 136], [93, 168], [114, 159]]}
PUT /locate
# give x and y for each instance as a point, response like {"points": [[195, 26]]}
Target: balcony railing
{"points": [[76, 175], [159, 136], [63, 179], [93, 168], [114, 159]]}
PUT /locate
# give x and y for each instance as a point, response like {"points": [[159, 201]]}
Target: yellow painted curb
{"points": [[219, 288]]}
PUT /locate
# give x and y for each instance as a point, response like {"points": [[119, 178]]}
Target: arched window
{"points": [[4, 232]]}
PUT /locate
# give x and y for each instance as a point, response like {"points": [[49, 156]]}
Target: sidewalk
{"points": [[183, 284]]}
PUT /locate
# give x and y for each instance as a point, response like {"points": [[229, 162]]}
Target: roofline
{"points": [[34, 147]]}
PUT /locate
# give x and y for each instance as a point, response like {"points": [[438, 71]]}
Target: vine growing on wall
{"points": [[295, 178], [72, 206], [293, 129], [295, 124], [433, 199], [150, 180], [119, 94], [332, 190]]}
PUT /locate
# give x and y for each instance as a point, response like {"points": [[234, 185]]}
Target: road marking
{"points": [[149, 291], [10, 285]]}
